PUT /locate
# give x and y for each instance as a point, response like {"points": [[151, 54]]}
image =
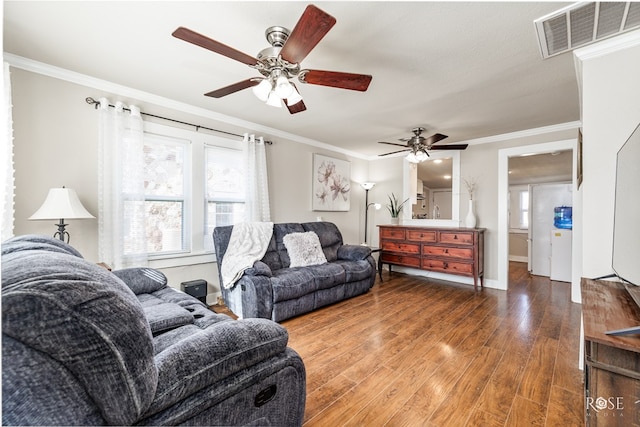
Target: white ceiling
{"points": [[465, 69]]}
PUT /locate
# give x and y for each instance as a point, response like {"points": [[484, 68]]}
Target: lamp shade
{"points": [[262, 90], [294, 98], [368, 185], [61, 203], [273, 100]]}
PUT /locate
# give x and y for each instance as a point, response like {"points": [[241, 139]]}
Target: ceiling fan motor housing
{"points": [[269, 58]]}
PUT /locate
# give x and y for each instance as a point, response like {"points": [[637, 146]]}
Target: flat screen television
{"points": [[626, 225]]}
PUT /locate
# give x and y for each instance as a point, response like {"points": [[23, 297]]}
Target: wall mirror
{"points": [[433, 189]]}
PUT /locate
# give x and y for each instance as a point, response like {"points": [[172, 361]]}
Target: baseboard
{"points": [[517, 258]]}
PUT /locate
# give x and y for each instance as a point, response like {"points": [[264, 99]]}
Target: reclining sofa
{"points": [[84, 346], [271, 289]]}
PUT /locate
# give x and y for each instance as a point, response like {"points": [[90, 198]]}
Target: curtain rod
{"points": [[95, 103]]}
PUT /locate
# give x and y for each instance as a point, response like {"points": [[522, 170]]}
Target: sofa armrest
{"points": [[213, 354], [142, 280], [354, 252], [259, 269]]}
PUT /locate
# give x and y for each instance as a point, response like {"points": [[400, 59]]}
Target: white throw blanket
{"points": [[248, 243]]}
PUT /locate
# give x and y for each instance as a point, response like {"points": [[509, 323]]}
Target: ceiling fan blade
{"points": [[393, 143], [228, 90], [359, 82], [434, 138], [295, 108], [298, 106], [312, 26], [450, 147], [394, 152], [214, 46]]}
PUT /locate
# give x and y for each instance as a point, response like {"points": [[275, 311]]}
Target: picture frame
{"points": [[331, 184]]}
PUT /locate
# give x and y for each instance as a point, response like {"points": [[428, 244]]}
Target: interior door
{"points": [[543, 198]]}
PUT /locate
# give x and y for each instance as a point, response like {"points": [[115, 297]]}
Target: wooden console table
{"points": [[612, 363], [457, 251]]}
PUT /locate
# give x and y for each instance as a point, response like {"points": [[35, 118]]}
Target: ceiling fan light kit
{"points": [[281, 62], [419, 146]]}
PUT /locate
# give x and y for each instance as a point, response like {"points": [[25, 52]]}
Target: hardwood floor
{"points": [[416, 351]]}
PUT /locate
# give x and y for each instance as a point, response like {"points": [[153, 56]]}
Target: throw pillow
{"points": [[304, 249]]}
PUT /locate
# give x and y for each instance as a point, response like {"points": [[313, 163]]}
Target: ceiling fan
{"points": [[281, 62], [420, 146]]}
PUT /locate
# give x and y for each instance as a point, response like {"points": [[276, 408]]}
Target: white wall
{"points": [[610, 113], [56, 144]]}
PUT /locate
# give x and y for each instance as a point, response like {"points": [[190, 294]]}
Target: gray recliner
{"points": [[85, 346]]}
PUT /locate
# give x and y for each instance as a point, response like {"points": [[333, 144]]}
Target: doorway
{"points": [[504, 156]]}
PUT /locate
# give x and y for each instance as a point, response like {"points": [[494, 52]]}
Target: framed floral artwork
{"points": [[331, 184]]}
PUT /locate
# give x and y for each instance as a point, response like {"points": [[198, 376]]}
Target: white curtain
{"points": [[6, 154], [257, 185], [121, 218]]}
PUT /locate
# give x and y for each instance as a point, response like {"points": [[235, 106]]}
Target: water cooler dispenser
{"points": [[561, 244]]}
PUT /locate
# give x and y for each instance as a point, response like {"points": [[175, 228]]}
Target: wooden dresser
{"points": [[457, 251], [612, 363]]}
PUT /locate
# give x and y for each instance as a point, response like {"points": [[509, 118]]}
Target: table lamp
{"points": [[61, 203]]}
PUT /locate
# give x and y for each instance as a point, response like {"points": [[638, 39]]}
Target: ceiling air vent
{"points": [[583, 23]]}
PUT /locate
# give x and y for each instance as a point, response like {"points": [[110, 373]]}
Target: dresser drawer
{"points": [[421, 236], [392, 233], [409, 261], [451, 252], [400, 247], [456, 238], [447, 266]]}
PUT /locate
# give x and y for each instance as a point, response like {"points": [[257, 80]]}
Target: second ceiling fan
{"points": [[281, 62], [420, 146]]}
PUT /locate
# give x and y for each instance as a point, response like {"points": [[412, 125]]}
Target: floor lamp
{"points": [[367, 186]]}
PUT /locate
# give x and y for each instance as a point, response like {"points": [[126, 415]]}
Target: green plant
{"points": [[394, 206]]}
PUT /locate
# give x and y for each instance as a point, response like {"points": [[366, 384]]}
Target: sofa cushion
{"points": [[329, 236], [30, 242], [327, 275], [165, 316], [142, 280], [304, 249], [95, 327], [289, 283], [279, 231], [355, 270]]}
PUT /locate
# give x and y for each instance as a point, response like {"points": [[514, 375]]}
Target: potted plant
{"points": [[395, 208]]}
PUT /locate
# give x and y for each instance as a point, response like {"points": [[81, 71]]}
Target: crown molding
{"points": [[125, 91], [524, 133], [607, 46]]}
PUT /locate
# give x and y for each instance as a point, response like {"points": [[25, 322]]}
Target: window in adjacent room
{"points": [[519, 208], [524, 209]]}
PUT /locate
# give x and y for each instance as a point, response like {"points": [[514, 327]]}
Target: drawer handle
{"points": [[455, 237], [446, 251], [446, 265]]}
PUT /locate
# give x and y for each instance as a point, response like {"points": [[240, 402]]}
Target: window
{"points": [[193, 182], [524, 209], [225, 196], [166, 199], [519, 208]]}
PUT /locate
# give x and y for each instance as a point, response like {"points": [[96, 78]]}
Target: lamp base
{"points": [[61, 233]]}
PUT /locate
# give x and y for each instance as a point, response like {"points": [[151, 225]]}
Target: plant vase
{"points": [[395, 220], [470, 220]]}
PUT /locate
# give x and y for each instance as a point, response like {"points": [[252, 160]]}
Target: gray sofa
{"points": [[273, 290], [84, 346]]}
